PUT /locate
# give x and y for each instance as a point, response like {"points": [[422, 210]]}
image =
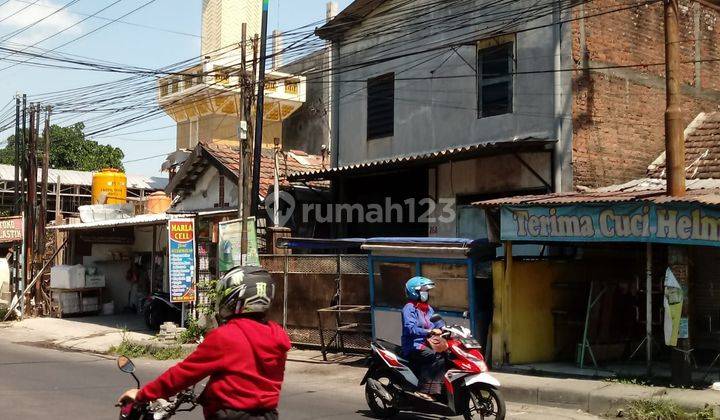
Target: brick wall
{"points": [[618, 127]]}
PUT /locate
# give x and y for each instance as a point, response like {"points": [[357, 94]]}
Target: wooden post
{"points": [[675, 169], [506, 303], [42, 216], [648, 308], [674, 131], [58, 218]]}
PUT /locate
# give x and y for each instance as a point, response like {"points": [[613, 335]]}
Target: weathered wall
{"points": [[436, 92], [618, 113]]}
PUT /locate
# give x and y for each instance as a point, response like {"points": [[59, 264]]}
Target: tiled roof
{"points": [[702, 150], [290, 162]]}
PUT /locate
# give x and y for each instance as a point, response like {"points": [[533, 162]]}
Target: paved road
{"points": [[38, 383]]}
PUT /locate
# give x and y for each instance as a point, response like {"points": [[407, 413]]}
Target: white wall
{"points": [[207, 193]]}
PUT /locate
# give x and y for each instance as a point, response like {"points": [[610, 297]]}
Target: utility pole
{"points": [[42, 216], [30, 199], [16, 201], [22, 255], [260, 107], [248, 89], [675, 169]]}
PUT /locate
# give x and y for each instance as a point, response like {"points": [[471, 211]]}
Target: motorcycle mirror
{"points": [[466, 315], [125, 364], [436, 318]]}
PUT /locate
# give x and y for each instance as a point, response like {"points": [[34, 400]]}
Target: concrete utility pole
{"points": [[16, 205], [675, 170], [259, 109]]}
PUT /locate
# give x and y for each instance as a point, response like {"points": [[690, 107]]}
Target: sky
{"points": [[122, 43]]}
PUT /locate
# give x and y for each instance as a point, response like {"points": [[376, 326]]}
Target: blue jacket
{"points": [[416, 327]]}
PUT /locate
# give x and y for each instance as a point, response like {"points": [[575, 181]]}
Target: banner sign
{"points": [[230, 235], [182, 260], [11, 229], [625, 222]]}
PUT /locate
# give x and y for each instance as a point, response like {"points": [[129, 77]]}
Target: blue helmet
{"points": [[413, 286]]}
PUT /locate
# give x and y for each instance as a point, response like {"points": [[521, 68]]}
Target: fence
{"points": [[306, 283]]}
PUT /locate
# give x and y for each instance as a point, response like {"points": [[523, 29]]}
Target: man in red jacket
{"points": [[244, 358]]}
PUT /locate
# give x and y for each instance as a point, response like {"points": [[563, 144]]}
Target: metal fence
{"points": [[306, 283]]}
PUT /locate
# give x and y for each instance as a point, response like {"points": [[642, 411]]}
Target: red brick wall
{"points": [[618, 127]]}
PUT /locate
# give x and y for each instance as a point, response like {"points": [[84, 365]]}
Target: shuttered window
{"points": [[381, 106], [495, 80]]}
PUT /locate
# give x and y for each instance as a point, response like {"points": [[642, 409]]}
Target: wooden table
{"points": [[81, 292], [340, 327]]}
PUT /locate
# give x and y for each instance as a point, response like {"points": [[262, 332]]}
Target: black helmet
{"points": [[244, 290]]}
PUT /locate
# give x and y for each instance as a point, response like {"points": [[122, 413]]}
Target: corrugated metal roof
{"points": [[141, 220], [455, 153], [67, 177], [699, 191]]}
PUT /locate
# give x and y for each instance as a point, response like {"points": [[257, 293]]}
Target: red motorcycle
{"points": [[468, 389]]}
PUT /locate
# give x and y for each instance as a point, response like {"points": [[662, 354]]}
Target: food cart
{"points": [[459, 267]]}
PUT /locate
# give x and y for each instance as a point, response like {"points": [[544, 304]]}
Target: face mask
{"points": [[424, 296]]}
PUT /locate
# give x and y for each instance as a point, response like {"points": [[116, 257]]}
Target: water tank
{"points": [[157, 203], [109, 186]]}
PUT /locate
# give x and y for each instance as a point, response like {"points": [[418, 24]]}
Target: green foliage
{"points": [[209, 289], [659, 409], [134, 349], [193, 332], [69, 149]]}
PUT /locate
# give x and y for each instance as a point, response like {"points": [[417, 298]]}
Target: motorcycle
{"points": [[468, 389], [158, 310], [156, 410]]}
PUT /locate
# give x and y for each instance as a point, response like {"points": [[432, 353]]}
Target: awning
{"points": [[529, 144], [141, 220]]}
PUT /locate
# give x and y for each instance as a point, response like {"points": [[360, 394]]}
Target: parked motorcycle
{"points": [[468, 389], [158, 309], [156, 410]]}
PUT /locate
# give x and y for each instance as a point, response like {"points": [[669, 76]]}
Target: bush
{"points": [[133, 349], [659, 409], [193, 332]]}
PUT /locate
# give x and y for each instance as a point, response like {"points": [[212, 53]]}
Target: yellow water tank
{"points": [[157, 203], [109, 186]]}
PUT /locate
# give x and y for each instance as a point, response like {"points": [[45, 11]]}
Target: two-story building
{"points": [[464, 101]]}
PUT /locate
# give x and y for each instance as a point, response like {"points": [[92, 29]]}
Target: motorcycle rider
{"points": [[417, 327], [244, 357]]}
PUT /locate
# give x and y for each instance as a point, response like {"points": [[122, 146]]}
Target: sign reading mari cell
{"points": [[182, 260], [628, 222]]}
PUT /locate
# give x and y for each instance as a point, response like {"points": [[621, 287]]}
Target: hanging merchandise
{"points": [[673, 303]]}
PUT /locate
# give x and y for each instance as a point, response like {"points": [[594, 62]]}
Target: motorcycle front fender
{"points": [[482, 378]]}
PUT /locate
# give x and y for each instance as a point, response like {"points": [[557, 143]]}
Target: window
{"points": [[495, 77], [381, 106]]}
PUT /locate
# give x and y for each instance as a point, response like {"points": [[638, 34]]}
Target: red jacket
{"points": [[245, 360]]}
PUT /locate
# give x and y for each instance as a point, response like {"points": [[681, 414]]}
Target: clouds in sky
{"points": [[17, 14]]}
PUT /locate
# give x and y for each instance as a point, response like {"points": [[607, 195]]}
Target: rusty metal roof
{"points": [[440, 156], [699, 191]]}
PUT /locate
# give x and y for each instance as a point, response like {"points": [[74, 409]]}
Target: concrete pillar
{"points": [[277, 59], [678, 261]]}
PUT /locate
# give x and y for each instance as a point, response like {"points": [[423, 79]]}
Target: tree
{"points": [[69, 149]]}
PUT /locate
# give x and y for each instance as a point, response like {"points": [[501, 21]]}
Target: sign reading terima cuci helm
{"points": [[182, 259], [627, 222]]}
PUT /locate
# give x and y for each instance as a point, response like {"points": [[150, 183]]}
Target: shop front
{"points": [[111, 266], [608, 290]]}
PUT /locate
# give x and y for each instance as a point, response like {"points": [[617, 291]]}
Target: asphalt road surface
{"points": [[39, 383]]}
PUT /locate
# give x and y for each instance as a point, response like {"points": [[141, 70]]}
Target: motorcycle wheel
{"points": [[484, 402], [379, 407], [156, 316]]}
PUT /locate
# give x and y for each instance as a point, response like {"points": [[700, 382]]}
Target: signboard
{"points": [[11, 229], [230, 235], [182, 260], [628, 222]]}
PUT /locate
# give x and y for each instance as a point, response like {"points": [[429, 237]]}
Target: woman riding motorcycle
{"points": [[244, 357], [417, 327]]}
